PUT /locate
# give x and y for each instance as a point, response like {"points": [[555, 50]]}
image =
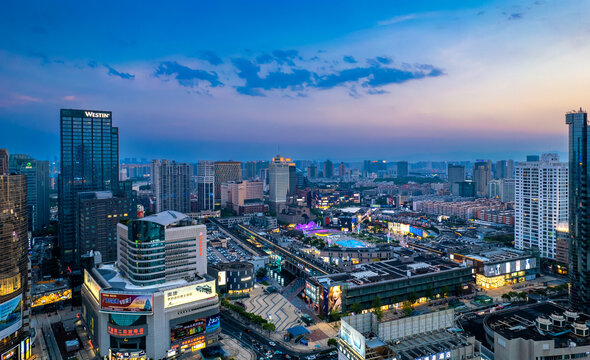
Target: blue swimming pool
{"points": [[351, 243]]}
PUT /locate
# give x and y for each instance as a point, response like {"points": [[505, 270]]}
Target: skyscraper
{"points": [[279, 182], [482, 173], [205, 185], [504, 169], [89, 162], [456, 173], [14, 267], [312, 172], [226, 171], [328, 169], [37, 173], [292, 179], [579, 212], [402, 169], [171, 185], [540, 203]]}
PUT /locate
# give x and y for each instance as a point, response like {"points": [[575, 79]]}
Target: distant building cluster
{"points": [[461, 209]]}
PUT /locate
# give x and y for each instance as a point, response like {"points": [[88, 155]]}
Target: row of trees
{"points": [[253, 318]]}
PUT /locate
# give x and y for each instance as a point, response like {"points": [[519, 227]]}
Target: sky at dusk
{"points": [[345, 80]]}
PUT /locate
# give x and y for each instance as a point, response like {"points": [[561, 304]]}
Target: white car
{"points": [[272, 343]]}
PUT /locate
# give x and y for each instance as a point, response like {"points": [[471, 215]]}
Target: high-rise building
{"points": [[494, 189], [89, 162], [482, 174], [292, 179], [540, 203], [342, 170], [171, 185], [14, 268], [507, 188], [205, 185], [504, 169], [3, 161], [226, 171], [279, 182], [37, 173], [182, 254], [456, 173], [374, 166], [312, 172], [328, 169], [402, 169], [97, 215], [244, 197], [579, 210]]}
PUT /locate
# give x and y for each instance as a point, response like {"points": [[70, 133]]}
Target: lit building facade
{"points": [[226, 171], [15, 291], [279, 182], [37, 173]]}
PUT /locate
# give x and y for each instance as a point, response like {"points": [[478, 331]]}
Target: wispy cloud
{"points": [[397, 19], [122, 75], [515, 16], [186, 76], [349, 59]]}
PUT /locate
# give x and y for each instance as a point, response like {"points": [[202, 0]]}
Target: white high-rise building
{"points": [[541, 203], [171, 185], [279, 182]]}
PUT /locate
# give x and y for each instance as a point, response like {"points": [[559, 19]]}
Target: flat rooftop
{"points": [[419, 346], [117, 282], [388, 270], [519, 322], [165, 218]]}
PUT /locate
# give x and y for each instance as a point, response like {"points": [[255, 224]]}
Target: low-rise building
{"points": [[393, 281], [236, 279], [424, 337], [538, 331]]}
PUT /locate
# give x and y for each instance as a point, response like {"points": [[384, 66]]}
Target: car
{"points": [[277, 352], [333, 353], [272, 343], [311, 357], [287, 356]]}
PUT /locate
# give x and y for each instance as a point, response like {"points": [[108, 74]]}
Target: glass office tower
{"points": [[579, 221], [89, 162]]}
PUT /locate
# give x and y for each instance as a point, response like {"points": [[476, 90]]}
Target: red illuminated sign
{"points": [[125, 332]]}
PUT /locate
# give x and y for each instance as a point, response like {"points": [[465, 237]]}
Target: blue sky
{"points": [[332, 79]]}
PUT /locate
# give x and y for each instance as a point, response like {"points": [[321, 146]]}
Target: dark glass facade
{"points": [[14, 262], [89, 162], [37, 173], [579, 220]]}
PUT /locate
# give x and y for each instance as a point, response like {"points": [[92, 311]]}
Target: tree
{"points": [[270, 327], [356, 308], [412, 297], [261, 273], [377, 307], [445, 291], [332, 342], [522, 295], [407, 308], [506, 297]]}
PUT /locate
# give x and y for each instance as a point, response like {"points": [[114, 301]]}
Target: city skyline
{"points": [[343, 81]]}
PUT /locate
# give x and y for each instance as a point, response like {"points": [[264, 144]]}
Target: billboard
{"points": [[221, 278], [92, 285], [11, 316], [187, 329], [213, 322], [188, 294], [52, 297], [126, 303], [353, 338], [332, 300]]}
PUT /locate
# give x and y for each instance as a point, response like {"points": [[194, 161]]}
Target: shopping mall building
{"points": [[143, 306]]}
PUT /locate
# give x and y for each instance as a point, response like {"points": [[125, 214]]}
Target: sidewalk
{"points": [[236, 350]]}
